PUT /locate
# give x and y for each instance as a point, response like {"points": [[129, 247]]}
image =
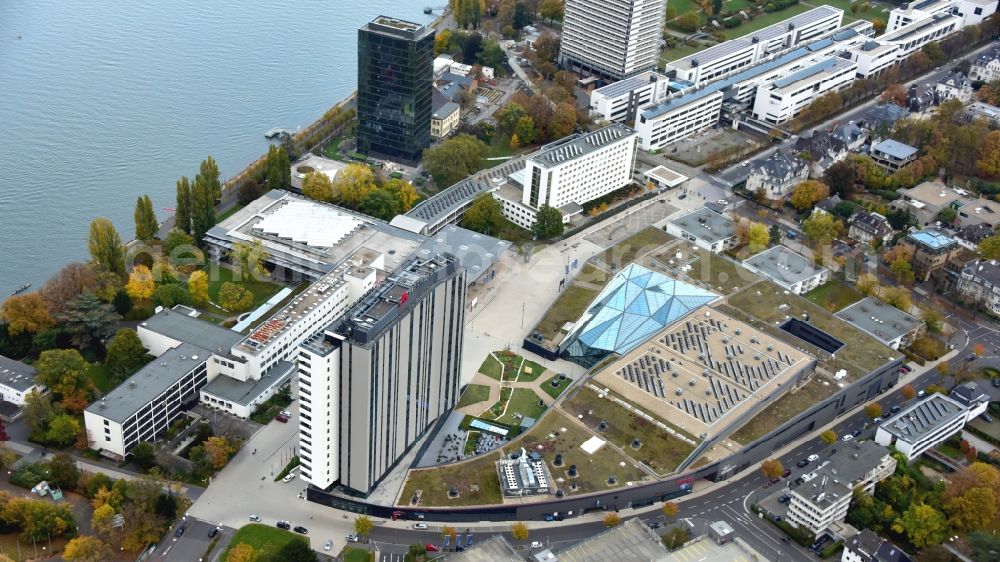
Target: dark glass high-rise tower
{"points": [[395, 80]]}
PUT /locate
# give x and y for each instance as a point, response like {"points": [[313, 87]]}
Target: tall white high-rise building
{"points": [[613, 38]]}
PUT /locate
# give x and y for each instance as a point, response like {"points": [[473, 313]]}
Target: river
{"points": [[104, 101]]}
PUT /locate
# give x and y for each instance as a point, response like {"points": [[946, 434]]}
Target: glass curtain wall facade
{"points": [[395, 81]]}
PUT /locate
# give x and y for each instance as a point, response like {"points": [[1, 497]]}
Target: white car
{"points": [[813, 458], [328, 545], [255, 518], [847, 437], [421, 526], [288, 478], [722, 202], [536, 544], [286, 413], [352, 538]]}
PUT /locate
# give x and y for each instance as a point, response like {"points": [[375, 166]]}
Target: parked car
{"points": [[877, 419], [536, 544], [655, 524], [281, 418], [802, 463], [813, 458], [905, 369], [284, 525], [786, 539], [786, 473], [431, 548], [784, 499], [213, 532], [255, 518], [986, 417], [995, 383], [682, 196], [352, 538], [288, 477], [180, 531], [301, 530], [420, 526], [847, 437], [856, 433], [286, 413], [921, 394], [328, 544], [895, 409]]}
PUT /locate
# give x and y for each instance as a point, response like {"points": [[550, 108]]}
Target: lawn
{"points": [[497, 408], [658, 450], [834, 296], [639, 244], [100, 375], [712, 271], [555, 391], [476, 480], [570, 305], [262, 290], [682, 50], [765, 20], [992, 429], [536, 371], [474, 394], [266, 540], [784, 409], [764, 305], [230, 212], [354, 554], [590, 273], [523, 401], [491, 367]]}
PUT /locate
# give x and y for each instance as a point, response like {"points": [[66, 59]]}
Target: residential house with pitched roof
{"points": [[777, 175]]}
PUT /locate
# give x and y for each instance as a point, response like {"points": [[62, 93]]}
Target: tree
{"points": [[828, 437], [455, 158], [973, 510], [898, 297], [125, 353], [896, 93], [87, 319], [37, 409], [671, 509], [249, 257], [197, 288], [821, 228], [64, 371], [563, 120], [86, 549], [922, 524], [612, 519], [146, 225], [485, 215], [675, 537], [908, 392], [218, 450], [380, 204], [63, 430], [521, 16], [902, 272], [318, 186], [867, 284], [879, 25], [716, 7], [202, 207], [235, 298], [808, 193], [774, 235], [183, 211], [297, 551], [404, 192], [519, 531], [63, 471], [525, 130], [932, 320], [548, 223], [353, 184], [688, 21], [72, 279], [873, 410], [492, 55], [989, 248], [772, 468], [279, 169], [144, 455], [363, 526], [208, 171], [140, 284], [841, 177], [758, 237], [242, 552], [102, 520], [105, 246], [27, 313], [552, 10], [176, 238]]}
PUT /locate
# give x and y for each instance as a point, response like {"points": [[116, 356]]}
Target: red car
{"points": [[786, 473], [282, 418], [431, 548]]}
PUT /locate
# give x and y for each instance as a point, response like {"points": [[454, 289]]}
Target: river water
{"points": [[103, 101]]}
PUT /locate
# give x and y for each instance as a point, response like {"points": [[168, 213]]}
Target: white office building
{"points": [[373, 383], [915, 35], [790, 271], [923, 425], [786, 97], [17, 380], [706, 229], [873, 57], [619, 102], [971, 12], [678, 118], [570, 172], [737, 54], [613, 38]]}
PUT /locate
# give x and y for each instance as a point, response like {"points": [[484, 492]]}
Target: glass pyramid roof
{"points": [[635, 304]]}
